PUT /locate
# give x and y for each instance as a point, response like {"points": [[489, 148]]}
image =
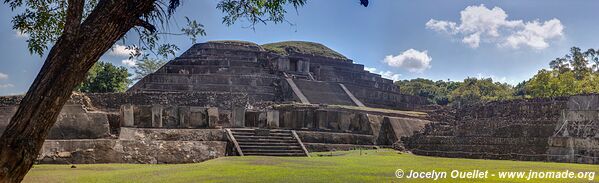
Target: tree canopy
{"points": [[80, 32], [471, 90], [146, 66], [105, 77], [575, 73]]}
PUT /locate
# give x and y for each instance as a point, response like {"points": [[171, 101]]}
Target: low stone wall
{"points": [[140, 145], [516, 129], [335, 138], [113, 101], [74, 122], [574, 150], [322, 119], [87, 151], [173, 134], [388, 130], [576, 135], [323, 147]]}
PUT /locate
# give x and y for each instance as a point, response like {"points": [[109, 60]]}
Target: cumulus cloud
{"points": [[481, 24], [385, 74], [3, 76], [6, 85], [129, 62], [412, 60], [121, 51]]}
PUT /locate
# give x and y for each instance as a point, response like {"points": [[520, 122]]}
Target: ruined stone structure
{"points": [[233, 98], [558, 129], [238, 98], [227, 67]]}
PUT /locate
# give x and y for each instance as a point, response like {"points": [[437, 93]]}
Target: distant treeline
{"points": [[575, 73]]}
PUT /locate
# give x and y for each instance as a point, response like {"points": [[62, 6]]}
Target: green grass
{"points": [[304, 47], [344, 166]]}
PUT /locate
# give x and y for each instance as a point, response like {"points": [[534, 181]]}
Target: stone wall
{"points": [[113, 101], [322, 119], [74, 122], [516, 129], [160, 116], [138, 145], [87, 151], [576, 135], [223, 67]]}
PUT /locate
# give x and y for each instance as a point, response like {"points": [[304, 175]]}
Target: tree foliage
{"points": [[105, 77], [146, 67], [471, 90], [80, 31], [574, 73]]}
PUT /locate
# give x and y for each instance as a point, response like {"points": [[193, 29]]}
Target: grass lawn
{"points": [[343, 166]]}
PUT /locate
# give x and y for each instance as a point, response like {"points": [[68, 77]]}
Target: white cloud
{"points": [[121, 51], [412, 60], [3, 76], [129, 62], [480, 24], [441, 26], [535, 34], [6, 85], [385, 74]]}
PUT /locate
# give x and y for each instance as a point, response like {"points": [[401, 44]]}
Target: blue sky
{"points": [[506, 40]]}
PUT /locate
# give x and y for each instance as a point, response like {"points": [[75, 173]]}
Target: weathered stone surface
{"points": [[74, 122], [129, 151], [516, 129], [172, 134], [392, 129], [156, 116], [212, 117], [325, 147], [576, 135], [238, 117], [272, 119], [228, 68], [335, 138], [127, 114]]}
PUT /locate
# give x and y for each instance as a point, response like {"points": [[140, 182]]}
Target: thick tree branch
{"points": [[74, 16], [146, 25]]}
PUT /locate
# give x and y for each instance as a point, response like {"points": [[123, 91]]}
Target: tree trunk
{"points": [[78, 48]]}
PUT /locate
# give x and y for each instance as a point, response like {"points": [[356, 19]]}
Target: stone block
{"points": [[142, 116], [170, 117], [127, 118], [184, 117], [321, 117], [238, 115], [345, 121], [198, 117], [212, 117], [272, 119], [156, 116]]}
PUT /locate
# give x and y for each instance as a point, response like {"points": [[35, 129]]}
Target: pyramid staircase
{"points": [[266, 142]]}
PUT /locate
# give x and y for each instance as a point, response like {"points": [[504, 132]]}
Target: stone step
{"points": [[266, 142], [263, 137], [263, 141], [271, 134], [271, 151], [275, 154], [268, 146], [253, 130]]}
